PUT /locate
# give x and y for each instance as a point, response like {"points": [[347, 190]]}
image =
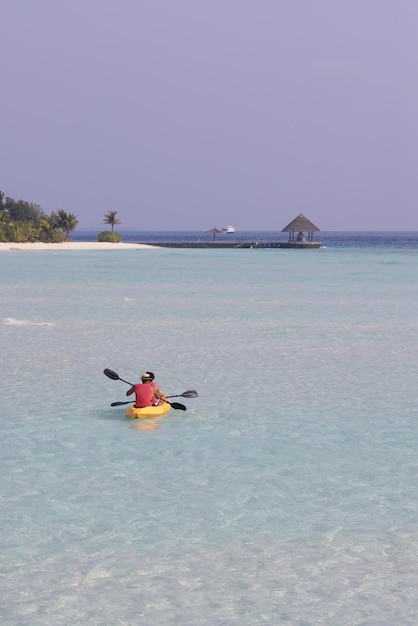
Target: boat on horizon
{"points": [[228, 229]]}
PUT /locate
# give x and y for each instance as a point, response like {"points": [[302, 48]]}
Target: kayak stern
{"points": [[148, 411]]}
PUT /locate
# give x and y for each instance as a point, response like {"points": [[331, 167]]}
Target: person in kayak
{"points": [[147, 393], [148, 377]]}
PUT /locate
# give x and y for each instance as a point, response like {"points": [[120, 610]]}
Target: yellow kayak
{"points": [[148, 411]]}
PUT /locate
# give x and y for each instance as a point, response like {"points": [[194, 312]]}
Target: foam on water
{"points": [[286, 493], [12, 321]]}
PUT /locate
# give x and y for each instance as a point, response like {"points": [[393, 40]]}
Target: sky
{"points": [[190, 114]]}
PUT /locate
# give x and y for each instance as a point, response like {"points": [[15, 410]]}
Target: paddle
{"points": [[181, 395], [174, 405], [111, 374], [186, 394]]}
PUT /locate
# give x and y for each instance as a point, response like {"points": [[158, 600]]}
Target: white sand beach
{"points": [[72, 245]]}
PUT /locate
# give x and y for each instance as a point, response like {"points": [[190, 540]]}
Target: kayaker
{"points": [[149, 378], [147, 393]]}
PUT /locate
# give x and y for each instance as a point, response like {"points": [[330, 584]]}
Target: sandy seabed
{"points": [[72, 245]]}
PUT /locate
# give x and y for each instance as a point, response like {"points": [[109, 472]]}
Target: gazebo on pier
{"points": [[301, 225]]}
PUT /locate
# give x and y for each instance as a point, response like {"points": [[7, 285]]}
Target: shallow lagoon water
{"points": [[285, 494]]}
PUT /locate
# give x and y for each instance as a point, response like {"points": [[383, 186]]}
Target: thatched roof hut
{"points": [[300, 225]]}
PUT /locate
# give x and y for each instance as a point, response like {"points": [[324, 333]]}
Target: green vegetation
{"points": [[109, 236], [66, 222], [22, 222], [111, 219]]}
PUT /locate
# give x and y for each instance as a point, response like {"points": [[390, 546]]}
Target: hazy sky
{"points": [[189, 114]]}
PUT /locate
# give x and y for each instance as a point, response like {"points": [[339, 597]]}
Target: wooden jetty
{"points": [[299, 225], [234, 244]]}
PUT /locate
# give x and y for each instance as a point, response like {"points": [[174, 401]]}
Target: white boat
{"points": [[228, 229]]}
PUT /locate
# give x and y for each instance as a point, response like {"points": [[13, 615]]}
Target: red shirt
{"points": [[144, 396]]}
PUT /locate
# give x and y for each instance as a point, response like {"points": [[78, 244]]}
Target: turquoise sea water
{"points": [[285, 494]]}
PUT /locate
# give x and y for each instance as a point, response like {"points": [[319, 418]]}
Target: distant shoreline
{"points": [[72, 245]]}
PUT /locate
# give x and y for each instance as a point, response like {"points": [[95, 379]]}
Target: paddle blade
{"points": [[120, 403], [185, 394], [190, 394], [177, 405], [110, 374]]}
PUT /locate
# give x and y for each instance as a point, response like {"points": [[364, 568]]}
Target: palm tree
{"points": [[110, 218], [66, 221]]}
